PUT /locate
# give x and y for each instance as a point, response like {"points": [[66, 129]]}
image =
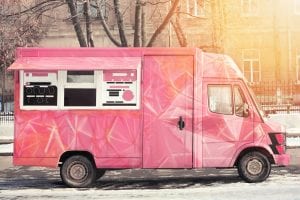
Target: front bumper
{"points": [[282, 159]]}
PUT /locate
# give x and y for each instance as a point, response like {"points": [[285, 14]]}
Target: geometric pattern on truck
{"points": [[118, 134]]}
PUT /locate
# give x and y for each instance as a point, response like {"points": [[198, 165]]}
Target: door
{"points": [[227, 121], [168, 109]]}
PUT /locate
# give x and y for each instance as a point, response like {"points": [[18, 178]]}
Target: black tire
{"points": [[78, 172], [100, 173], [254, 167]]}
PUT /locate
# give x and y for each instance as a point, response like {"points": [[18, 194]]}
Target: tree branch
{"points": [[36, 6], [143, 26], [163, 24], [87, 13], [120, 23], [137, 25], [105, 26], [76, 23], [155, 3], [178, 30]]}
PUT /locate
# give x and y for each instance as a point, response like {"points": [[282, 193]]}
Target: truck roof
{"points": [[210, 64]]}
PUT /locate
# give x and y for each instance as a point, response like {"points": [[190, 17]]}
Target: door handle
{"points": [[181, 123]]}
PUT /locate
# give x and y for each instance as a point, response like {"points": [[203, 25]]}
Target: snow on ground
{"points": [[293, 142], [6, 148], [278, 186]]}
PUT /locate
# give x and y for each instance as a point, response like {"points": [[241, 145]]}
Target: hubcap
{"points": [[254, 167], [77, 172]]}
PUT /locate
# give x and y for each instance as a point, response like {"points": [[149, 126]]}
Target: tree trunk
{"points": [[178, 29], [163, 24], [105, 26], [76, 23], [137, 25], [143, 27], [120, 23], [87, 13]]}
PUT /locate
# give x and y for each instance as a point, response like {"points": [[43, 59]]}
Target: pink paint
{"points": [[118, 87], [120, 75], [128, 95], [173, 86]]}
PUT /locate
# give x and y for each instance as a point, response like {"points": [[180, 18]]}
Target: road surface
{"points": [[44, 183]]}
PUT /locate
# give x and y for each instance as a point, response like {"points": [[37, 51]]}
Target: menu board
{"points": [[40, 93], [39, 88], [119, 87]]}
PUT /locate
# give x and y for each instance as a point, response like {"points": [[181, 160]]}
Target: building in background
{"points": [[262, 36]]}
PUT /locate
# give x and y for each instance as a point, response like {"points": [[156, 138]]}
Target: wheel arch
{"points": [[246, 150], [68, 154]]}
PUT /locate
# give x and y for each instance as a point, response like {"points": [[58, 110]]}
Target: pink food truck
{"points": [[88, 110]]}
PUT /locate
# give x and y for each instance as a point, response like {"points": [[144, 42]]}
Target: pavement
{"points": [[6, 132], [5, 162]]}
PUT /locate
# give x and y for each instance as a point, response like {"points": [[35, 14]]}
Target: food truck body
{"points": [[87, 110]]}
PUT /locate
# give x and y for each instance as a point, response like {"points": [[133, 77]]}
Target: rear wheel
{"points": [[78, 171], [254, 167]]}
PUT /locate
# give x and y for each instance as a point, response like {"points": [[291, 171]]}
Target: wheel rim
{"points": [[254, 166], [77, 172]]}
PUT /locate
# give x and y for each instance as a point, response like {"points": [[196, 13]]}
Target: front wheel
{"points": [[254, 167], [78, 171]]}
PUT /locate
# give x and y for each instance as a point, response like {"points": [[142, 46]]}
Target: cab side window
{"points": [[239, 102], [220, 99]]}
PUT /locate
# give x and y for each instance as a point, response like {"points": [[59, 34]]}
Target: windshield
{"points": [[257, 104]]}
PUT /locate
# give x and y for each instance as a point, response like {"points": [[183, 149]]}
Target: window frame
{"points": [[297, 7], [94, 12], [251, 12], [232, 98], [67, 85], [97, 84], [197, 12], [240, 90], [252, 60], [35, 107]]}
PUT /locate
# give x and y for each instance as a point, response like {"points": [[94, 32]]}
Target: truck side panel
{"points": [[168, 101], [42, 136]]}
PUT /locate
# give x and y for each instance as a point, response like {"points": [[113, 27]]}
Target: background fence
{"points": [[278, 96], [6, 117], [6, 108]]}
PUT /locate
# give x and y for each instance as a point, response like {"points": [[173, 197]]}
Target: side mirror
{"points": [[246, 112]]}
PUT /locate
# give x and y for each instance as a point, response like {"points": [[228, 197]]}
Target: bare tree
{"points": [[17, 29], [86, 39], [120, 23], [164, 23], [137, 26], [178, 29], [87, 14], [76, 23]]}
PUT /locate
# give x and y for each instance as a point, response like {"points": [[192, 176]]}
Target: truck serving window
{"points": [[79, 89], [38, 89], [220, 99], [80, 76]]}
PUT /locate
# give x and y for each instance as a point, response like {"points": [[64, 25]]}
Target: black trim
{"points": [[119, 104], [39, 83], [274, 142], [113, 90]]}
